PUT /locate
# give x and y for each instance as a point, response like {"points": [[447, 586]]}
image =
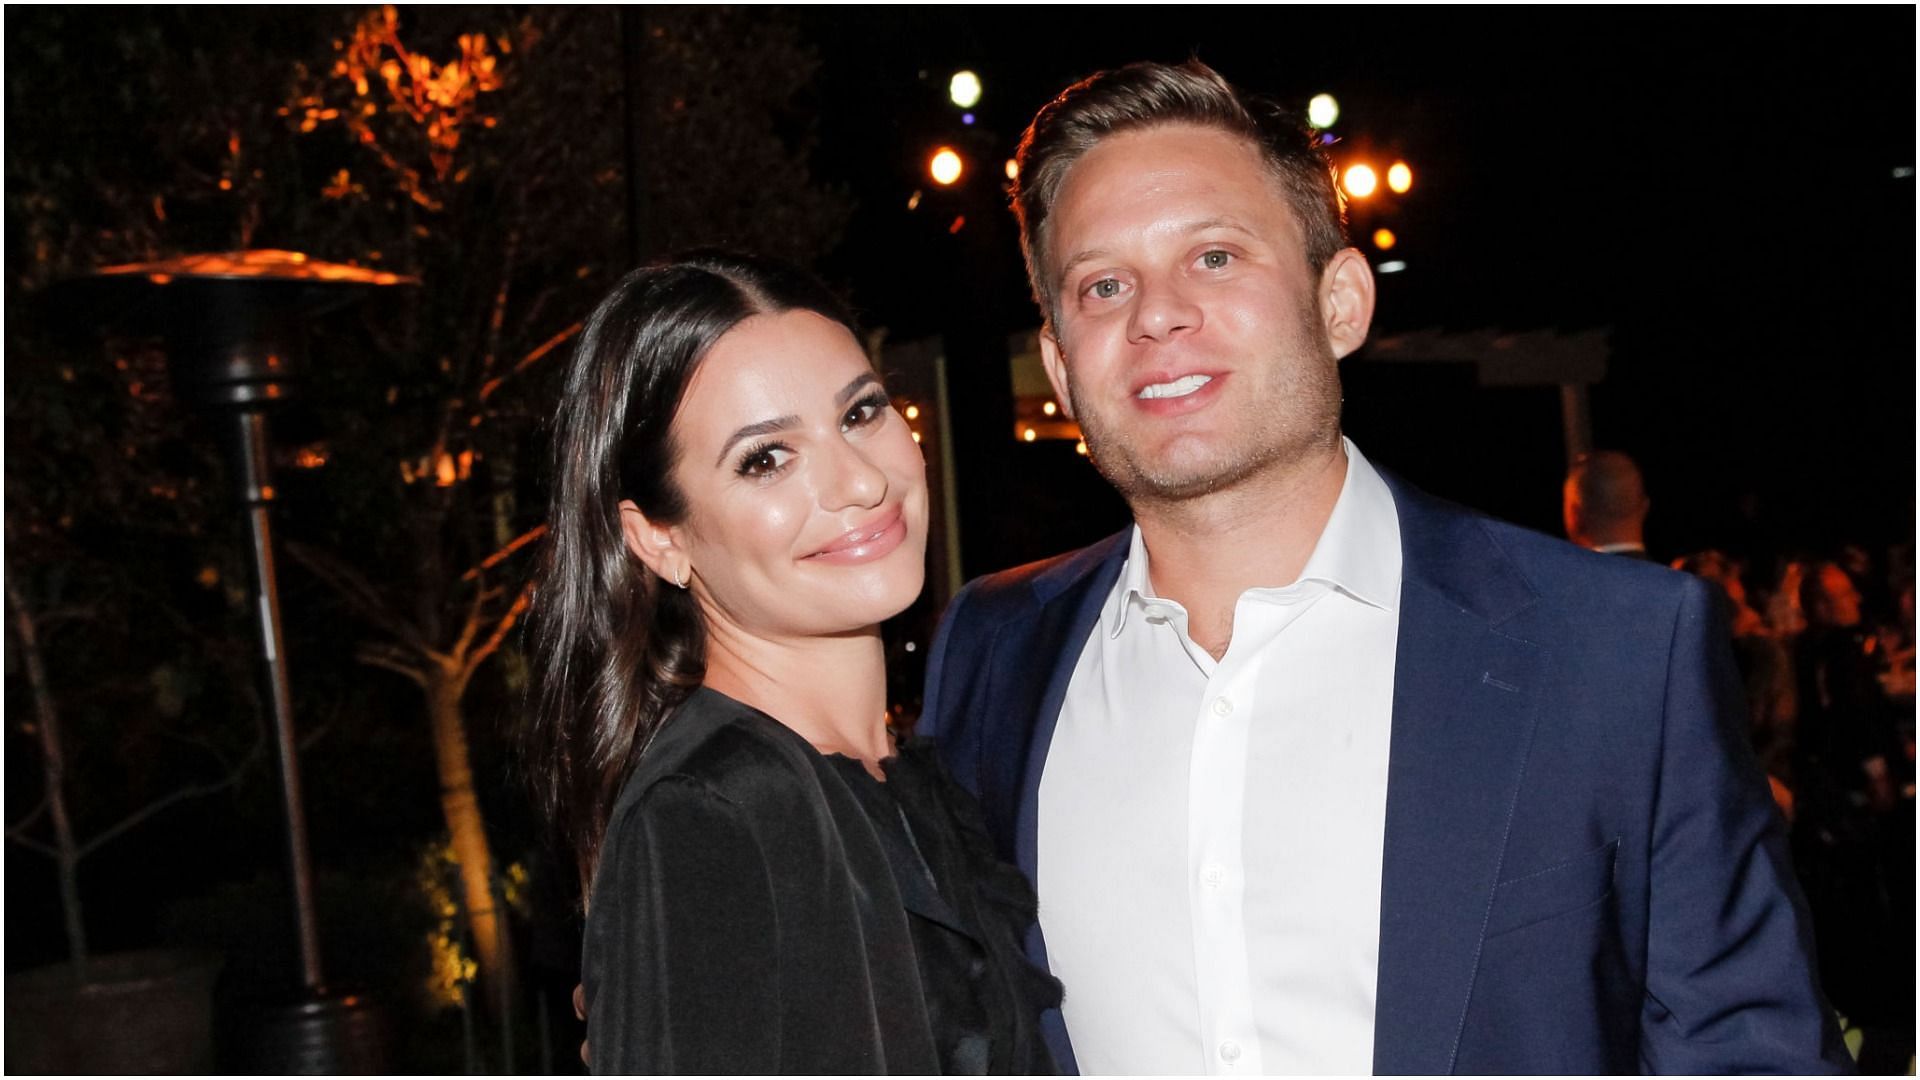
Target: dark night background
{"points": [[1716, 189]]}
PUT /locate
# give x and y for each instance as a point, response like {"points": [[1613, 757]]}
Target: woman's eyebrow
{"points": [[763, 427], [784, 423]]}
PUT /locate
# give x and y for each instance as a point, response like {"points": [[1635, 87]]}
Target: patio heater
{"points": [[233, 326]]}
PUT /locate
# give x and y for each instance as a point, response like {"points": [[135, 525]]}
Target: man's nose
{"points": [[1161, 311]]}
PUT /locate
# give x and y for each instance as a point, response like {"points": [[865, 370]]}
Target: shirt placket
{"points": [[1216, 874]]}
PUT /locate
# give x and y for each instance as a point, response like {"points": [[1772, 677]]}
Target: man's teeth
{"points": [[1180, 387]]}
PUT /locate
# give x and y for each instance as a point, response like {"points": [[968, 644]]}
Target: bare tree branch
{"points": [[497, 316], [499, 635], [61, 614], [19, 827], [532, 358], [504, 553], [392, 659], [191, 791], [357, 591], [475, 616], [34, 845], [314, 735]]}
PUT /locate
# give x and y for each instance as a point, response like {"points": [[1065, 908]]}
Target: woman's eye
{"points": [[865, 411], [1104, 289], [1216, 260], [765, 461]]}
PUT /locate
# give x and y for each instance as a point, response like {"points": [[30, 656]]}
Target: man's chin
{"points": [[1172, 481]]}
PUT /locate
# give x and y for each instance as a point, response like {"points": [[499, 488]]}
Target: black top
{"points": [[761, 907]]}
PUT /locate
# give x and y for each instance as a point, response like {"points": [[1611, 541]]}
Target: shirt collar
{"points": [[1358, 552]]}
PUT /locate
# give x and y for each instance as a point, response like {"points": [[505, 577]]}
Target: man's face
{"points": [[1192, 340]]}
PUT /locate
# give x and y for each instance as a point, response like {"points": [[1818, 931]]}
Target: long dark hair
{"points": [[615, 648]]}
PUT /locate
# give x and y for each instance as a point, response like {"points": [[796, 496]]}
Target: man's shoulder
{"points": [[1549, 564], [1511, 569], [1006, 595]]}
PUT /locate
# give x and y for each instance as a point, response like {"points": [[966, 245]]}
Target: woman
{"points": [[772, 887]]}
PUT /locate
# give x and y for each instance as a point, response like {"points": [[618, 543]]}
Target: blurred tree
{"points": [[479, 150]]}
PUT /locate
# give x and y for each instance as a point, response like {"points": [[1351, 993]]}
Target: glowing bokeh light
{"points": [[944, 167], [1392, 266], [1013, 169], [1049, 408], [1384, 239], [913, 412], [1360, 181], [964, 89], [1029, 435], [1399, 177], [1322, 111]]}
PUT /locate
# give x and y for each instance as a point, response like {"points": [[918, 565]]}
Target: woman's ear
{"points": [[657, 546]]}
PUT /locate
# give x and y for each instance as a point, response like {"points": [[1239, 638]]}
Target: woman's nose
{"points": [[851, 480]]}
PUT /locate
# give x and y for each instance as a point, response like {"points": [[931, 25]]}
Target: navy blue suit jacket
{"points": [[1584, 871]]}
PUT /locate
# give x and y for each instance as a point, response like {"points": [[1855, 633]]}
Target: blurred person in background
{"points": [[1766, 671], [1605, 504], [1853, 814]]}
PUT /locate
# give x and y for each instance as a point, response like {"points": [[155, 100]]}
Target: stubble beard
{"points": [[1264, 438]]}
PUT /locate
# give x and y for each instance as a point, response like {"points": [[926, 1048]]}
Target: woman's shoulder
{"points": [[716, 748]]}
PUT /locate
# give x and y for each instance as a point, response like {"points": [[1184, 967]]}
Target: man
{"points": [[1605, 504], [1314, 772]]}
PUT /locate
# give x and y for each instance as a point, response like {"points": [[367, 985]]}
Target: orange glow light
{"points": [[1384, 239], [1029, 435], [1399, 177], [913, 412], [1360, 181], [1049, 408], [945, 166], [1013, 169]]}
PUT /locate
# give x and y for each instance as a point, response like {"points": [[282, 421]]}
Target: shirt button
{"points": [[1229, 1051], [1222, 706], [1212, 876]]}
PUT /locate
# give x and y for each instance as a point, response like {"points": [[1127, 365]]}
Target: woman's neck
{"points": [[830, 690]]}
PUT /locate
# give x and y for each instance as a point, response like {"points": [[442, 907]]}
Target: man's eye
{"points": [[1104, 289], [1216, 260]]}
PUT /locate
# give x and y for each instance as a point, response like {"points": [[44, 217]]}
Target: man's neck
{"points": [[1204, 552]]}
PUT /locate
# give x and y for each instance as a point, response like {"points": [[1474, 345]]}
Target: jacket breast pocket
{"points": [[1577, 883]]}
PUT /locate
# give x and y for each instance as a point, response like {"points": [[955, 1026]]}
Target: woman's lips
{"points": [[866, 543]]}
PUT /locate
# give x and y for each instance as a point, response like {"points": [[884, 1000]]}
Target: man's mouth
{"points": [[1180, 387]]}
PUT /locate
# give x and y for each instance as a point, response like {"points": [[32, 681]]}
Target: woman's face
{"points": [[806, 494]]}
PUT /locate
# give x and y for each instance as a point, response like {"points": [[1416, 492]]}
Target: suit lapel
{"points": [[1463, 716], [1070, 599]]}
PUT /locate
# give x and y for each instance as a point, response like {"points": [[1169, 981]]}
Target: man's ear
{"points": [[1055, 362], [1346, 301], [655, 545]]}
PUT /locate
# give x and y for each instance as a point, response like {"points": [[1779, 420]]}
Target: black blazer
{"points": [[745, 917]]}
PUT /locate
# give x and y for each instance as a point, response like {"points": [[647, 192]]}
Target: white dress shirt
{"points": [[1211, 831]]}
